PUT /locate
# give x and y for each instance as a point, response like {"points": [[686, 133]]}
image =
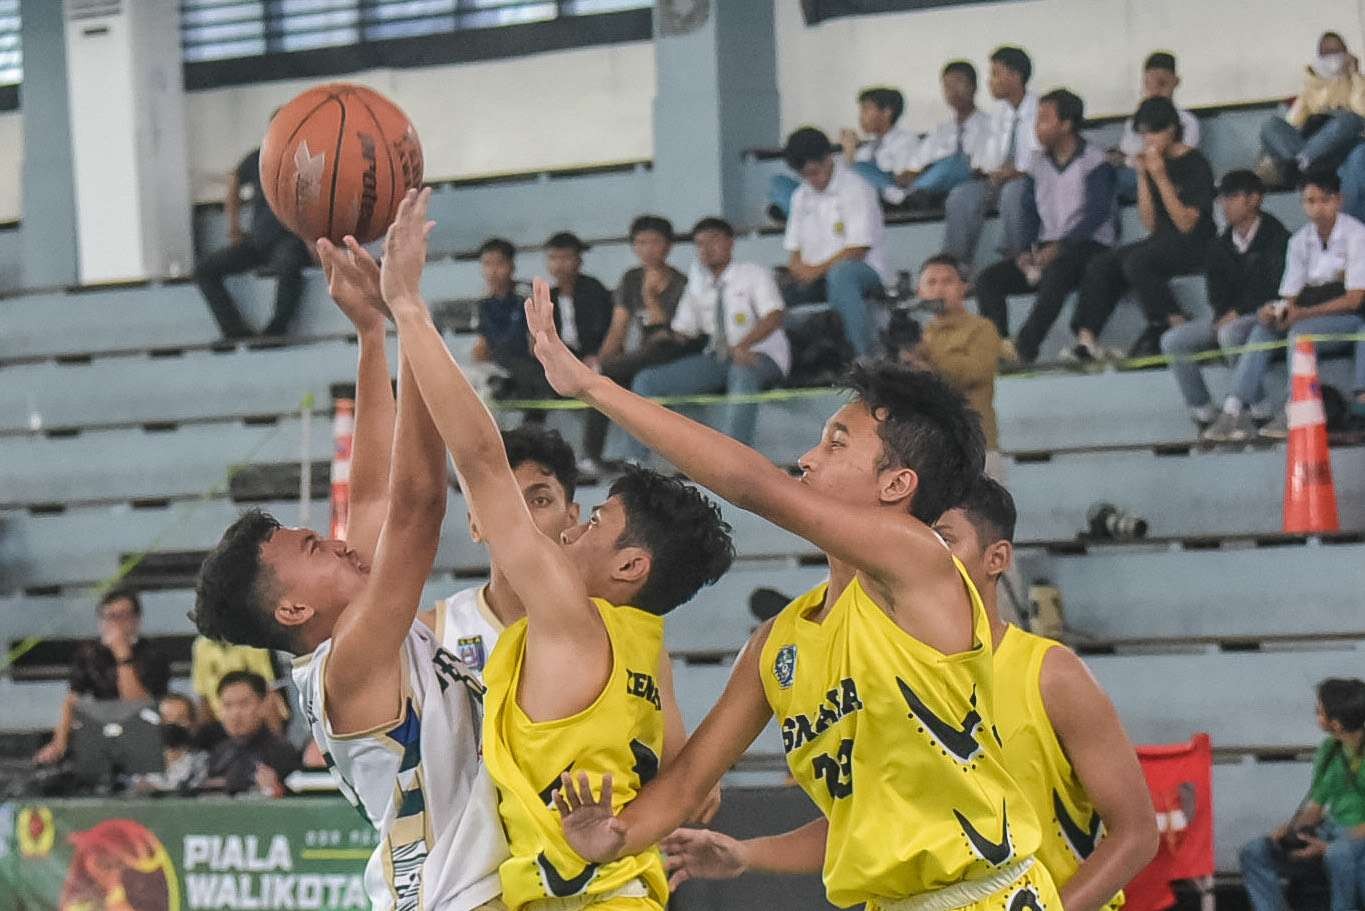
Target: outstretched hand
{"points": [[590, 826], [702, 854], [353, 281], [566, 373], [405, 252]]}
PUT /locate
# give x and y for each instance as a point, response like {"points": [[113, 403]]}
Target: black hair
{"points": [[1337, 35], [176, 737], [1241, 181], [688, 541], [1343, 701], [250, 678], [545, 448], [1324, 179], [501, 246], [804, 146], [566, 240], [1014, 58], [121, 594], [184, 700], [990, 509], [1157, 114], [961, 67], [712, 223], [924, 426], [887, 99], [1160, 60], [1069, 106], [942, 259], [235, 592], [656, 223]]}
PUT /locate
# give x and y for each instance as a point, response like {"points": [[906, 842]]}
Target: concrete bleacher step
{"points": [[1249, 800]]}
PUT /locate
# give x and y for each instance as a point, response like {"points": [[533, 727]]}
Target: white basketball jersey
{"points": [[467, 628], [420, 780]]}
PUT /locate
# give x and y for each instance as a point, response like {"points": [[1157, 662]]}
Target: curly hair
{"points": [[235, 593], [924, 426], [687, 539]]}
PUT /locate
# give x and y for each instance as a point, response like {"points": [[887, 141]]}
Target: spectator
{"points": [[268, 243], [186, 764], [1324, 122], [736, 311], [211, 661], [1159, 80], [1001, 168], [178, 709], [252, 758], [834, 236], [503, 340], [583, 306], [1245, 266], [1328, 830], [1073, 192], [1321, 293], [120, 666], [944, 159], [644, 302], [1175, 202], [962, 348]]}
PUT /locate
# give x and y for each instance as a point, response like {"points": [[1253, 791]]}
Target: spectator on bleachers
{"points": [[266, 243], [211, 661], [120, 666], [644, 304], [1322, 292], [177, 708], [834, 236], [944, 158], [252, 758], [734, 311], [1325, 121], [186, 764], [583, 305], [1159, 80], [1328, 830], [1245, 266], [503, 339], [1175, 203], [1073, 193], [1001, 169]]}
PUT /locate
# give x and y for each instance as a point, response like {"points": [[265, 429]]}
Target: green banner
{"points": [[300, 854]]}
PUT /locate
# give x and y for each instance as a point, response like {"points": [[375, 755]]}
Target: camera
{"points": [[902, 333], [1108, 521]]}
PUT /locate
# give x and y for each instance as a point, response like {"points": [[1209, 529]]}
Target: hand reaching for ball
{"points": [[353, 281], [566, 373], [405, 253]]}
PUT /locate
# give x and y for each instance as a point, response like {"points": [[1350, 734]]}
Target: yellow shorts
{"points": [[616, 903], [1031, 891]]}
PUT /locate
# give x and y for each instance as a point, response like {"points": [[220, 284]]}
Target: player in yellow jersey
{"points": [[1064, 743], [881, 678], [576, 686]]}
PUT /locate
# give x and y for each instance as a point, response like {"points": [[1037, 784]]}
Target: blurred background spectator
{"points": [[252, 757], [1324, 122]]}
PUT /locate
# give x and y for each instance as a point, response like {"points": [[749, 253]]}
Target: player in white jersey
{"points": [[396, 716]]}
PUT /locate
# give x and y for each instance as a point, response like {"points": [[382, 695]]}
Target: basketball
{"points": [[337, 160]]}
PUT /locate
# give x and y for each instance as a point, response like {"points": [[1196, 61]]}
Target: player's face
{"points": [[964, 542], [651, 248], [325, 575], [551, 509], [243, 711], [592, 545], [847, 461]]}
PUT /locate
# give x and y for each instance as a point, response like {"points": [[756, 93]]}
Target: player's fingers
{"points": [[605, 799], [570, 793], [562, 804], [677, 879], [427, 228], [423, 198], [585, 789]]}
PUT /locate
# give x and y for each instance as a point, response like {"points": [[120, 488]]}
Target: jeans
{"points": [[781, 188], [622, 371], [1194, 337], [1247, 384], [965, 213], [285, 257], [1352, 175], [703, 373], [1059, 279], [1284, 143], [847, 287], [944, 174], [1263, 864], [1126, 186], [874, 175], [1146, 266]]}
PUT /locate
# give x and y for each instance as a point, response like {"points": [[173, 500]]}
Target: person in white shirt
{"points": [[1159, 80], [1001, 168], [944, 158], [835, 236], [1322, 293], [738, 308]]}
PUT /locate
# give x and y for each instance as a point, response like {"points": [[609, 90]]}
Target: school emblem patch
{"points": [[470, 650], [784, 667]]}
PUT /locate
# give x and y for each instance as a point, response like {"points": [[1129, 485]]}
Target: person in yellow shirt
{"points": [[1324, 122], [210, 661], [1065, 746]]}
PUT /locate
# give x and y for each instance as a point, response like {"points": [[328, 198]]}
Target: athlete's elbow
{"points": [[1140, 837]]}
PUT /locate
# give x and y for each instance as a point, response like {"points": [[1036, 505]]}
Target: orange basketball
{"points": [[337, 160]]}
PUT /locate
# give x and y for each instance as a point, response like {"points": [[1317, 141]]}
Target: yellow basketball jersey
{"points": [[1071, 827], [621, 734], [894, 741]]}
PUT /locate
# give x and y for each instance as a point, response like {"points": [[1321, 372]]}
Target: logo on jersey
{"points": [[960, 741], [784, 667], [470, 650], [1081, 839], [839, 703], [994, 853], [560, 886], [1026, 899]]}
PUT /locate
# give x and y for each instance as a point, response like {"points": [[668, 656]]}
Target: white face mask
{"points": [[1329, 66]]}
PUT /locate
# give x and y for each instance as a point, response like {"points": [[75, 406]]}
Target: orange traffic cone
{"points": [[1310, 498]]}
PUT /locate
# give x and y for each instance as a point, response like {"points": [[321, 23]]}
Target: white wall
{"points": [[11, 157]]}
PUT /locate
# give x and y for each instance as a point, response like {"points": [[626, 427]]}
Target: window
{"points": [[11, 57]]}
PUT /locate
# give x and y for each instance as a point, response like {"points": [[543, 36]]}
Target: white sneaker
{"points": [[1229, 428]]}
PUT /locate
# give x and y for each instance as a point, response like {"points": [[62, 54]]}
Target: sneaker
{"points": [[893, 195], [1271, 174], [1009, 354], [1080, 353], [1148, 343], [1277, 428], [1229, 428]]}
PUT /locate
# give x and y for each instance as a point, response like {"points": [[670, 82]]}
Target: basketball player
{"points": [[1064, 743], [881, 678], [396, 716], [576, 685]]}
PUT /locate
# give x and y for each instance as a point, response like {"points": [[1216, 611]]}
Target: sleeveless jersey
{"points": [[467, 627], [419, 781], [894, 742], [621, 733], [1071, 826]]}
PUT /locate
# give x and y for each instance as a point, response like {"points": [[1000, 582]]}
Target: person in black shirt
{"points": [[268, 243], [583, 305], [252, 758], [121, 665], [1175, 202]]}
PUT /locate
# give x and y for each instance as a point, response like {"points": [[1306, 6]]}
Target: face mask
{"points": [[1329, 66]]}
